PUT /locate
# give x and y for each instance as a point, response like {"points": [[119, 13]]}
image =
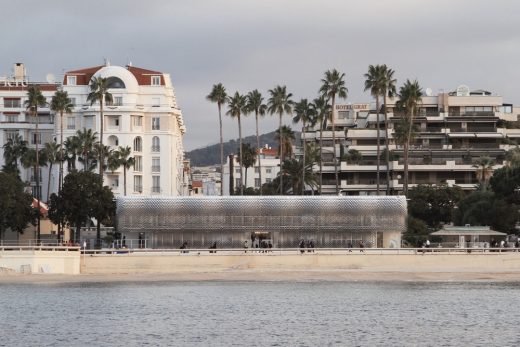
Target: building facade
{"points": [[454, 131], [16, 119], [143, 115]]}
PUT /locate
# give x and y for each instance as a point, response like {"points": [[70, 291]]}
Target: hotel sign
{"points": [[352, 107], [5, 82]]}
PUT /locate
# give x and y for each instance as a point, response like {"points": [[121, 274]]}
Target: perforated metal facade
{"points": [[328, 220]]}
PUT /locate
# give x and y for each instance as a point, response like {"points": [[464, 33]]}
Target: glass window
{"points": [[257, 182], [12, 102], [138, 184], [156, 144], [36, 138], [156, 80], [268, 170], [71, 80], [138, 121], [71, 123], [156, 164], [10, 135], [33, 176], [11, 118], [156, 184], [89, 122], [237, 182], [237, 170], [138, 163], [156, 123], [118, 101], [257, 170], [138, 144]]}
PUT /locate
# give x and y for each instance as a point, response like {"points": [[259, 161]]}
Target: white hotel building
{"points": [[143, 115]]}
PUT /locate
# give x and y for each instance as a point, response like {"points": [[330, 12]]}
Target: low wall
{"points": [[193, 263], [41, 261]]}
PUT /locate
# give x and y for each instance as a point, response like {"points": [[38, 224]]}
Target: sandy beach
{"points": [[266, 276]]}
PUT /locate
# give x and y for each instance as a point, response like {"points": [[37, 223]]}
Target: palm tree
{"points": [[389, 90], [323, 114], [87, 139], [374, 81], [61, 103], [410, 96], [72, 149], [293, 169], [99, 93], [34, 100], [304, 113], [249, 156], [237, 107], [484, 171], [14, 149], [334, 84], [513, 158], [123, 158], [280, 102], [218, 95], [52, 152], [255, 104], [287, 138]]}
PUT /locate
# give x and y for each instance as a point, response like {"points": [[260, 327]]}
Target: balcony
{"points": [[156, 168], [156, 148], [156, 190]]}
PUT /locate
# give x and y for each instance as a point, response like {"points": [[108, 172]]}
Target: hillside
{"points": [[210, 155]]}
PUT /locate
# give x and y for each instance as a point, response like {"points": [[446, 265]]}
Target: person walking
{"points": [[246, 246], [302, 246]]}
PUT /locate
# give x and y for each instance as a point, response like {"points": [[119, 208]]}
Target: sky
{"points": [[258, 44]]}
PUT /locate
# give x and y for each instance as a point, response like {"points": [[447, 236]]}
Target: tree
{"points": [[124, 159], [83, 197], [280, 102], [287, 138], [255, 103], [99, 93], [513, 158], [375, 82], [416, 231], [434, 204], [218, 95], [323, 114], [410, 96], [34, 100], [249, 155], [305, 114], [505, 183], [14, 150], [333, 84], [293, 169], [353, 156], [15, 204], [86, 140], [403, 136], [73, 148], [389, 90], [484, 171], [52, 153], [236, 107], [61, 103]]}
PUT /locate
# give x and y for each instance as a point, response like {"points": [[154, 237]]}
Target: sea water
{"points": [[260, 314]]}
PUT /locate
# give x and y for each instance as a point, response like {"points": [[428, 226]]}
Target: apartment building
{"points": [[144, 115], [455, 129], [16, 119]]}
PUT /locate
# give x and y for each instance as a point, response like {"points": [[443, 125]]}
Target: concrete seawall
{"points": [[192, 263], [41, 261]]}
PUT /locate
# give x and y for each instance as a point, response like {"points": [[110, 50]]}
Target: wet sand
{"points": [[267, 276]]}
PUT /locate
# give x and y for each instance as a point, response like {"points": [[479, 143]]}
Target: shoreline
{"points": [[268, 276]]}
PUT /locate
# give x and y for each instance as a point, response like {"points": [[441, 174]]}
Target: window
{"points": [[10, 135], [71, 123], [88, 121], [237, 170], [156, 80], [33, 177], [237, 182], [343, 114], [72, 101], [156, 123], [156, 184], [267, 170], [257, 182], [113, 141], [137, 121], [156, 164], [35, 138], [156, 102], [71, 80], [156, 144], [11, 118], [12, 103], [115, 182], [138, 144], [138, 184], [118, 101], [257, 169], [138, 163]]}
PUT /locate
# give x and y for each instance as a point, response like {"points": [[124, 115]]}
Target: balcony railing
{"points": [[156, 189], [156, 168], [138, 188], [156, 148]]}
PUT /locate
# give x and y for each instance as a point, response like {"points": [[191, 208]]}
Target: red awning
{"points": [[44, 209]]}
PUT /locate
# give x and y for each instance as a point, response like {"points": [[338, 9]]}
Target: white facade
{"points": [[270, 165], [15, 119], [143, 115]]}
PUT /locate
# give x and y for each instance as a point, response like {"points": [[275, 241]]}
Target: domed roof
{"points": [[121, 77]]}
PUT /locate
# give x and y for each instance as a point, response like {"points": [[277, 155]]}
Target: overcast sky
{"points": [[248, 44]]}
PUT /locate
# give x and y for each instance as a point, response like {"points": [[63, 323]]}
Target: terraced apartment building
{"points": [[455, 129]]}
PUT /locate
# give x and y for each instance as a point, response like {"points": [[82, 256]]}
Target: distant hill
{"points": [[210, 155]]}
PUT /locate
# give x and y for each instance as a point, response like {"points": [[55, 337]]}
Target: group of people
{"points": [[306, 243], [261, 246], [361, 246]]}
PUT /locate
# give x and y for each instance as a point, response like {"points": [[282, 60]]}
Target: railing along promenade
{"points": [[294, 251], [47, 248]]}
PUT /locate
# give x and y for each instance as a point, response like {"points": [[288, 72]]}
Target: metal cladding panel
{"points": [[216, 213]]}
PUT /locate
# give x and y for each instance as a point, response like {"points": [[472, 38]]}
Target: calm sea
{"points": [[260, 314]]}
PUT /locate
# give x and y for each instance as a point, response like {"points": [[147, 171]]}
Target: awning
{"points": [[490, 135], [44, 209], [467, 231]]}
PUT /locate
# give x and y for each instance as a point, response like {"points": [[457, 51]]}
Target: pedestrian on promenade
{"points": [[349, 246], [517, 244], [361, 247], [302, 246], [246, 246], [311, 246]]}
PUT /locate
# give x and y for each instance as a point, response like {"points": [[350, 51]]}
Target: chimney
{"points": [[19, 72]]}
